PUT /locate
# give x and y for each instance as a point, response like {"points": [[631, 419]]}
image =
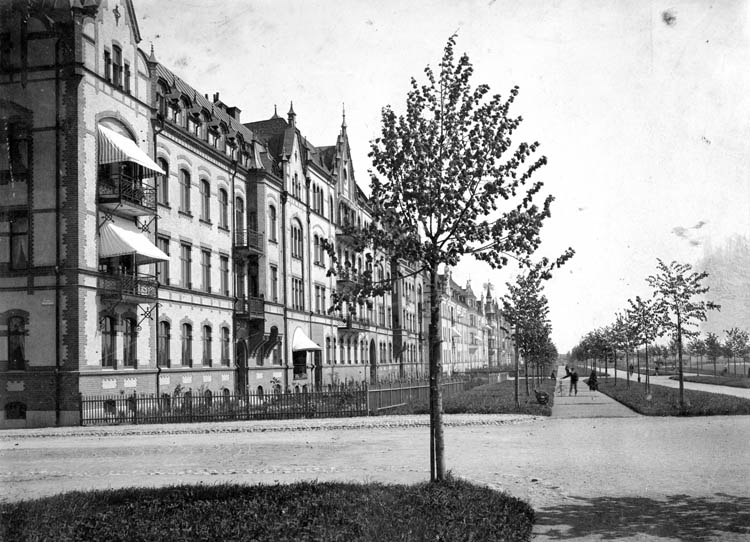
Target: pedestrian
{"points": [[553, 376], [573, 375], [593, 381]]}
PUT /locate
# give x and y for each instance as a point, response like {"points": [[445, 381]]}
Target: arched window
{"points": [[225, 346], [328, 350], [161, 103], [162, 352], [223, 209], [130, 343], [109, 335], [239, 215], [16, 343], [187, 345], [272, 223], [162, 183], [184, 191], [316, 249], [207, 359], [205, 200], [331, 209], [297, 240]]}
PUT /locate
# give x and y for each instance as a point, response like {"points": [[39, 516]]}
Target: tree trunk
{"points": [[627, 366], [648, 379], [437, 446], [518, 371], [679, 359], [614, 364], [638, 362]]}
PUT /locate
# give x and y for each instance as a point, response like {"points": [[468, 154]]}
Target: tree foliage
{"points": [[449, 181]]}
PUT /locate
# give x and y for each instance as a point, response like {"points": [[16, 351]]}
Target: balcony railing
{"points": [[126, 192], [250, 307], [123, 286], [355, 323], [248, 240], [350, 277]]}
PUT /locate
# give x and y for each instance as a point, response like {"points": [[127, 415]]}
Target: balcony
{"points": [[355, 323], [348, 279], [127, 288], [248, 242], [126, 195], [250, 308]]}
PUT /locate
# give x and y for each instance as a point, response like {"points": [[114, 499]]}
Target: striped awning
{"points": [[302, 342], [116, 241], [114, 147]]}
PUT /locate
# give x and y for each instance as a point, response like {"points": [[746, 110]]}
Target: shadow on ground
{"points": [[680, 517]]}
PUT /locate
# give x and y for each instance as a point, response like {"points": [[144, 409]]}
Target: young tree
{"points": [[713, 349], [449, 182], [736, 345], [697, 348], [647, 326], [677, 291], [525, 308]]}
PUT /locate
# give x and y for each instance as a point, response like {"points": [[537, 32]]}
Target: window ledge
{"points": [[185, 213], [206, 222]]}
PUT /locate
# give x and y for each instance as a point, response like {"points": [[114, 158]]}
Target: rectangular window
{"points": [[6, 48], [206, 269], [117, 66], [129, 343], [16, 343], [162, 184], [298, 294], [274, 284], [186, 260], [108, 66], [224, 263], [109, 334], [162, 268], [19, 242], [207, 346], [126, 79]]}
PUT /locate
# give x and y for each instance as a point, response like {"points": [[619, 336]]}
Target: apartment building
{"points": [[151, 241]]}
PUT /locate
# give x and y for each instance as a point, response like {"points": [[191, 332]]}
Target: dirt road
{"points": [[633, 478]]}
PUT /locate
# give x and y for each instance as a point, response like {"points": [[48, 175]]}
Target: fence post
{"points": [[80, 408], [135, 408]]}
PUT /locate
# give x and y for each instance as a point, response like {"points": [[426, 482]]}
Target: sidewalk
{"points": [[667, 382], [587, 404]]}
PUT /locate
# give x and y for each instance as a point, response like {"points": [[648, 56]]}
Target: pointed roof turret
{"points": [[343, 116], [275, 113], [291, 116]]}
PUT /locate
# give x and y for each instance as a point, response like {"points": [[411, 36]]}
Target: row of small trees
{"points": [[674, 309]]}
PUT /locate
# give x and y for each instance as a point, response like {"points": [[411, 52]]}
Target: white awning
{"points": [[114, 147], [116, 241], [302, 342], [455, 332]]}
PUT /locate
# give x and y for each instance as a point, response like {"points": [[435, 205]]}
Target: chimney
{"points": [[216, 97]]}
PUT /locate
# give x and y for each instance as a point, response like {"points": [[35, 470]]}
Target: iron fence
{"points": [[188, 407], [386, 395]]}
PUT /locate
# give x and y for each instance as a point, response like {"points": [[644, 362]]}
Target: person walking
{"points": [[573, 375]]}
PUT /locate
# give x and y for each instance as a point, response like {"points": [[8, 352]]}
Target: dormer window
{"points": [[213, 138]]}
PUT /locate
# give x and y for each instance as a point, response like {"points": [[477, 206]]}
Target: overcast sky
{"points": [[642, 107]]}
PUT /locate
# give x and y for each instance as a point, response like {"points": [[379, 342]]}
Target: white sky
{"points": [[645, 118]]}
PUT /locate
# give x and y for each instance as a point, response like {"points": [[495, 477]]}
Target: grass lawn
{"points": [[497, 398], [452, 510], [733, 381], [663, 401]]}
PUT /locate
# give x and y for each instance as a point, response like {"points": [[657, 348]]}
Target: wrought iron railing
{"points": [[125, 188], [138, 285], [250, 305], [248, 238]]}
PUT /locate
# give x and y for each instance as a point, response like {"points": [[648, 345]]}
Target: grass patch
{"points": [[663, 401], [732, 381], [451, 510], [497, 398]]}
